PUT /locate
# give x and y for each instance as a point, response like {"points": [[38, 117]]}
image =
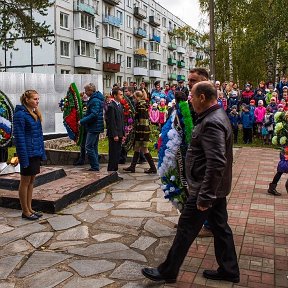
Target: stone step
{"points": [[55, 195], [47, 174]]}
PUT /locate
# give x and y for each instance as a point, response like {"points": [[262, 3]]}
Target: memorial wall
{"points": [[51, 88]]}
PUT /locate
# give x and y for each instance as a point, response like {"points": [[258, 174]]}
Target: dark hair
{"points": [[180, 96], [207, 89], [200, 71], [156, 83], [115, 91]]}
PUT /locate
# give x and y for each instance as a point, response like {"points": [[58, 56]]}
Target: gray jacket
{"points": [[209, 157]]}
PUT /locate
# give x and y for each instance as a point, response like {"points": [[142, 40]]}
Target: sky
{"points": [[187, 10]]}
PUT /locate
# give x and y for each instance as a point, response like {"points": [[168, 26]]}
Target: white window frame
{"points": [[65, 20], [62, 48], [129, 62]]}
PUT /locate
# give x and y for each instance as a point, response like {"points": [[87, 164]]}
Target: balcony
{"points": [[192, 42], [155, 38], [181, 78], [154, 21], [172, 76], [112, 2], [140, 13], [112, 20], [172, 61], [181, 64], [155, 73], [83, 34], [181, 50], [141, 52], [111, 43], [111, 67], [78, 6], [140, 71], [84, 62], [139, 32], [155, 56], [172, 46]]}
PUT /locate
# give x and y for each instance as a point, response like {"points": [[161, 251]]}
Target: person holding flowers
{"points": [[280, 138]]}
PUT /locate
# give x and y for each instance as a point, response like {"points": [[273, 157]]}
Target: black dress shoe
{"points": [[78, 163], [30, 217], [91, 169], [215, 275], [154, 275], [38, 214]]}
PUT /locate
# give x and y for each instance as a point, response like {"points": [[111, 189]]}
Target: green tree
{"points": [[16, 22]]}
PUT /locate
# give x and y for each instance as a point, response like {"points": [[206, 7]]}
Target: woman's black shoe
{"points": [[38, 214], [30, 217]]}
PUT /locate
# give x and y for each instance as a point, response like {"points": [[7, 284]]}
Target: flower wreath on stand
{"points": [[6, 118], [173, 142], [72, 109], [129, 115], [280, 138]]}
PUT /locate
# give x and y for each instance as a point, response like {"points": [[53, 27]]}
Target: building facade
{"points": [[124, 40]]}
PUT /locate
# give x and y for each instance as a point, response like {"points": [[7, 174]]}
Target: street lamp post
{"points": [[212, 40]]}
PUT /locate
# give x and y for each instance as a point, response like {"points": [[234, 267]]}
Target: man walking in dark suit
{"points": [[115, 129], [209, 175]]}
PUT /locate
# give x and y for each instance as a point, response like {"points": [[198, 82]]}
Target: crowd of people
{"points": [[196, 125]]}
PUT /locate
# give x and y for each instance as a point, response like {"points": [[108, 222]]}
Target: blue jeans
{"points": [[92, 149]]}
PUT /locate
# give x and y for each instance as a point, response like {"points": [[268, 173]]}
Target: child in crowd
{"points": [[280, 108], [259, 96], [221, 100], [234, 118], [154, 114], [252, 110], [259, 114], [273, 105], [267, 129], [247, 120]]}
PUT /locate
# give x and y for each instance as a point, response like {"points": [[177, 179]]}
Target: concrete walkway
{"points": [[105, 240]]}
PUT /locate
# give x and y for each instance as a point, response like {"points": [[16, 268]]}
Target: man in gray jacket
{"points": [[209, 175]]}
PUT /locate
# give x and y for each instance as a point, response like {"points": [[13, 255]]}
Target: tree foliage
{"points": [[16, 22], [257, 30]]}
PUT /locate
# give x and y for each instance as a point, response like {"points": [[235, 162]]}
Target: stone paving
{"points": [[105, 239]]}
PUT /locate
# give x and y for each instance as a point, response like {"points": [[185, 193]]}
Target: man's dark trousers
{"points": [[189, 225], [114, 153]]}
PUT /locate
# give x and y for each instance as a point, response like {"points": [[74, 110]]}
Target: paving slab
{"points": [[132, 196], [134, 205], [135, 213], [128, 271], [16, 247], [98, 198], [143, 242], [65, 244], [106, 236], [8, 264], [5, 228], [91, 215], [87, 268], [117, 229], [20, 232], [39, 261], [63, 222], [75, 208], [131, 222], [147, 186], [158, 229], [44, 279], [102, 206], [7, 285], [77, 233], [78, 282], [127, 254], [39, 239]]}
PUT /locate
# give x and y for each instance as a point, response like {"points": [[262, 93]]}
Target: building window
{"points": [[108, 82], [119, 15], [121, 39], [84, 48], [138, 44], [152, 12], [64, 48], [87, 22], [164, 22], [145, 46], [164, 37], [63, 71], [137, 3], [97, 27], [119, 58], [164, 69], [145, 8], [129, 41], [97, 55], [164, 53], [129, 62], [129, 79], [155, 65], [111, 31], [97, 7], [129, 3], [129, 21], [154, 47], [119, 80], [64, 20]]}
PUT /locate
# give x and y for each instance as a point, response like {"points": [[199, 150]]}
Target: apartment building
{"points": [[124, 40]]}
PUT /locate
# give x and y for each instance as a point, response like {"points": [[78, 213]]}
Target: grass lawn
{"points": [[103, 144]]}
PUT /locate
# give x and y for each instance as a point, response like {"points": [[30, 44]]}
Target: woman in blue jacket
{"points": [[29, 143]]}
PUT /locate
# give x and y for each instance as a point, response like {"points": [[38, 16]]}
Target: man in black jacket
{"points": [[209, 176], [115, 129]]}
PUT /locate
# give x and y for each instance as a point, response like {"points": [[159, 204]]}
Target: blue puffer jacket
{"points": [[93, 120], [28, 136]]}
